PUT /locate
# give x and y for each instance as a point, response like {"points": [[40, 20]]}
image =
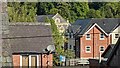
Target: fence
{"points": [[76, 62]]}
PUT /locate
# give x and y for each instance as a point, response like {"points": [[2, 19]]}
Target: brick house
{"points": [[92, 36], [110, 57], [28, 42]]}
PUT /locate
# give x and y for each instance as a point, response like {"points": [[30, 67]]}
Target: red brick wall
{"points": [[97, 43], [46, 58], [16, 61]]}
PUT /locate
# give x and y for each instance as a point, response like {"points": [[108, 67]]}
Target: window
{"points": [[70, 46], [88, 49], [57, 20], [71, 35], [87, 36], [101, 48], [101, 36], [68, 35], [74, 48], [61, 28], [116, 35]]}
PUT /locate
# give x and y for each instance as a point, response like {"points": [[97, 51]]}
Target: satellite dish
{"points": [[51, 48]]}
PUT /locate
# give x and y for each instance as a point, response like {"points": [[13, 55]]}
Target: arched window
{"points": [[57, 20]]}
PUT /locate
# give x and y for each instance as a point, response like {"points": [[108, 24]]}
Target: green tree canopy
{"points": [[22, 11]]}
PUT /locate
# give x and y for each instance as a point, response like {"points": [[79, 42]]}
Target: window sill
{"points": [[87, 52], [88, 39], [102, 39]]}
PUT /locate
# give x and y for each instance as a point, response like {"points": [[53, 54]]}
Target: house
{"points": [[28, 42], [110, 57], [61, 23], [115, 35], [92, 36], [70, 40]]}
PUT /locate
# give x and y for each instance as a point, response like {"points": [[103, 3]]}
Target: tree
{"points": [[94, 14], [44, 7], [58, 41], [53, 11], [22, 11]]}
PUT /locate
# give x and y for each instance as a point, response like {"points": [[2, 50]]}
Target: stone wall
{"points": [[0, 34], [4, 44]]}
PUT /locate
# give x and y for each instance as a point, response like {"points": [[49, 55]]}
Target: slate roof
{"points": [[29, 38], [108, 50], [41, 18], [107, 24], [114, 50]]}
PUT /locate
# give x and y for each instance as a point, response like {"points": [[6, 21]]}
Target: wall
{"points": [[47, 59], [16, 61], [42, 60], [116, 31], [95, 40], [4, 44], [0, 34]]}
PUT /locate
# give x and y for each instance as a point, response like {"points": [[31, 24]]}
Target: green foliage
{"points": [[25, 11], [22, 12], [94, 14], [58, 42], [53, 11], [47, 20], [81, 10]]}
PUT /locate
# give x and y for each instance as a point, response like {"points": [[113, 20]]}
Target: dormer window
{"points": [[101, 36], [57, 20], [88, 37], [116, 35]]}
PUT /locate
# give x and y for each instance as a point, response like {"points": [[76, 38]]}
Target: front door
{"points": [[25, 61], [29, 61], [33, 61]]}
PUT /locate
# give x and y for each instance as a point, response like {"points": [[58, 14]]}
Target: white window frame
{"points": [[87, 36], [103, 36], [100, 48], [86, 49]]}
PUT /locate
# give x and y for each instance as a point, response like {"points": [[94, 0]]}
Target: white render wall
{"points": [[116, 31]]}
